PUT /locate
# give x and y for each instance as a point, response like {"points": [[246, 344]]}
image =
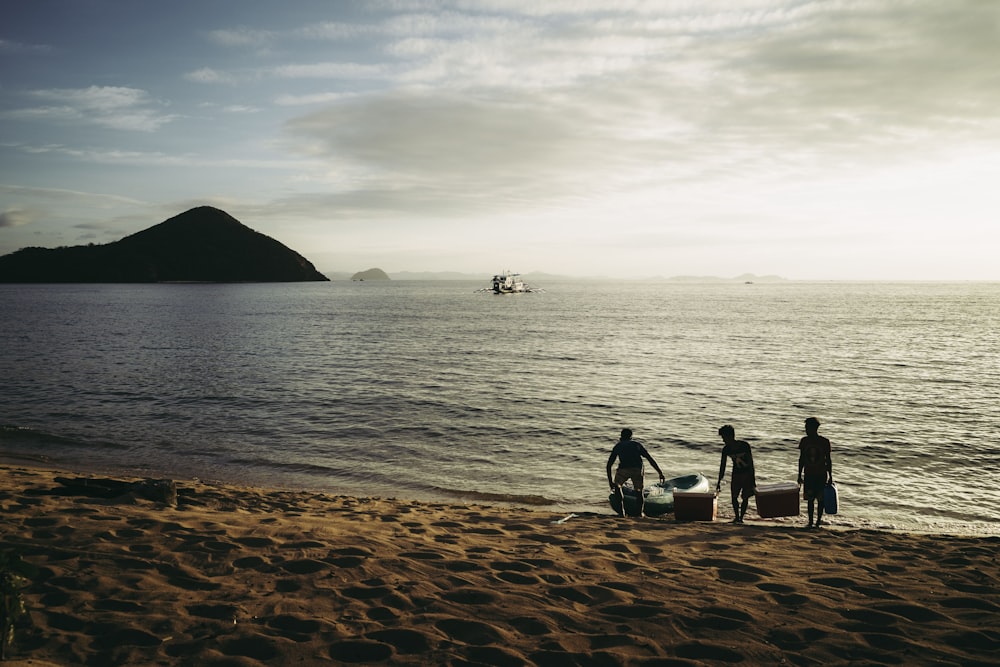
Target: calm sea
{"points": [[432, 391]]}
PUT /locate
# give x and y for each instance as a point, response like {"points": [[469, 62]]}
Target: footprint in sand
{"points": [[294, 627], [471, 596], [716, 619], [117, 606], [834, 582], [876, 593], [303, 566], [468, 632], [776, 588], [250, 646], [713, 652], [404, 641], [912, 612], [421, 555], [515, 572], [795, 641], [970, 603], [491, 655], [733, 571], [366, 592], [528, 625], [218, 612], [867, 618]]}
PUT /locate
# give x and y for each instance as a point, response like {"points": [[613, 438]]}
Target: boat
{"points": [[658, 499], [509, 283]]}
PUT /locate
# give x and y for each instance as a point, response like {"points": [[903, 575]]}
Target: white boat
{"points": [[509, 283], [658, 498]]}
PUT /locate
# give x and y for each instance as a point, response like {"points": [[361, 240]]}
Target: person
{"points": [[744, 479], [815, 469], [630, 454]]}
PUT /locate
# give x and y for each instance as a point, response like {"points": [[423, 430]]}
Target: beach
{"points": [[245, 576]]}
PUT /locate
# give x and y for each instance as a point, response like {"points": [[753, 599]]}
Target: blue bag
{"points": [[831, 501]]}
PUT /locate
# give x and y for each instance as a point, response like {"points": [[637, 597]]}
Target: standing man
{"points": [[815, 462], [744, 478], [629, 453]]}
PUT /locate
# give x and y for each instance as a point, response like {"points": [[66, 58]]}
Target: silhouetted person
{"points": [[815, 463], [629, 453], [744, 479]]}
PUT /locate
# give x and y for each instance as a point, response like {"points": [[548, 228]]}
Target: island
{"points": [[203, 244], [371, 274]]}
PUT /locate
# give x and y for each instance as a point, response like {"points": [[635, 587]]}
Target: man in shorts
{"points": [[744, 478], [629, 453], [815, 463]]}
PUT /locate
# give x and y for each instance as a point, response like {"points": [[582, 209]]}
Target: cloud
{"points": [[114, 107], [10, 46], [571, 103], [472, 148], [210, 75], [242, 37], [15, 217]]}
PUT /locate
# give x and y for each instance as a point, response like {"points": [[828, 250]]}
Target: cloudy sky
{"points": [[830, 139]]}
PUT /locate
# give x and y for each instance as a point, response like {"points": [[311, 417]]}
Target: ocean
{"points": [[430, 390]]}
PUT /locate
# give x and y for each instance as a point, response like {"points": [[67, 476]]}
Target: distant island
{"points": [[540, 277], [204, 244], [371, 274]]}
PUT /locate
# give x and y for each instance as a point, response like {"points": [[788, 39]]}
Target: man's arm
{"points": [[611, 460], [649, 457], [722, 469], [829, 464]]}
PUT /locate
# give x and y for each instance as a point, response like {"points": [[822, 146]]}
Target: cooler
{"points": [[694, 506], [778, 500]]}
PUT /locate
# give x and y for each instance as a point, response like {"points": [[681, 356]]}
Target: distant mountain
{"points": [[203, 244], [744, 278], [370, 274]]}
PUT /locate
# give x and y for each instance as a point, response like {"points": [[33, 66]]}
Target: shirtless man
{"points": [[815, 462], [743, 480], [629, 453]]}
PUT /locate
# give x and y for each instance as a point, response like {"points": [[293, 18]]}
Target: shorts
{"points": [[635, 474], [813, 486], [743, 482]]}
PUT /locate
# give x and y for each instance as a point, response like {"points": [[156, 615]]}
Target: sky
{"points": [[814, 140]]}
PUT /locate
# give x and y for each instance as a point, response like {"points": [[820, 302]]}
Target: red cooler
{"points": [[694, 506], [775, 500]]}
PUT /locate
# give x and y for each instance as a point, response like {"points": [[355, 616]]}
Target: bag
{"points": [[830, 499]]}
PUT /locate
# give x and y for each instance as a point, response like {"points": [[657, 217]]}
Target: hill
{"points": [[203, 244], [370, 274]]}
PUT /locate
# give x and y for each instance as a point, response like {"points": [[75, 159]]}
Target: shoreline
{"points": [[840, 522], [254, 576]]}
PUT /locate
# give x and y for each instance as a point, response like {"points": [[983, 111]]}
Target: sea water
{"points": [[430, 390]]}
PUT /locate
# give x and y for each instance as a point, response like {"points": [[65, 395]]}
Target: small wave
{"points": [[512, 498], [23, 436], [305, 468]]}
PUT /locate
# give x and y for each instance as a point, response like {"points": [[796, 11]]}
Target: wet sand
{"points": [[242, 576]]}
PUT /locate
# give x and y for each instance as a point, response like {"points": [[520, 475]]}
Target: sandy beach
{"points": [[241, 576]]}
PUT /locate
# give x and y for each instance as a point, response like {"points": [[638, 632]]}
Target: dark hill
{"points": [[371, 274], [200, 245]]}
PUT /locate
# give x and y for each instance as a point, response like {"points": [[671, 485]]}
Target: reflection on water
{"points": [[430, 390]]}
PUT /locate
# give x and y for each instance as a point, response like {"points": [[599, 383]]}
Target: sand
{"points": [[240, 576]]}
